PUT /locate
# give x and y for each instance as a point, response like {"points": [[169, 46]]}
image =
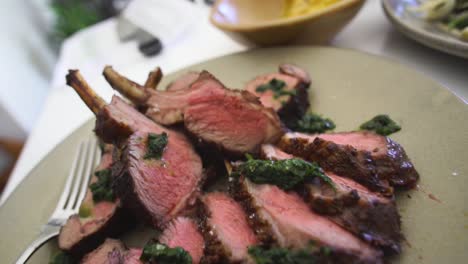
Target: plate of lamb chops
{"points": [[260, 157]]}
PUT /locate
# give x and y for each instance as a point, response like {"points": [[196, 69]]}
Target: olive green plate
{"points": [[350, 88]]}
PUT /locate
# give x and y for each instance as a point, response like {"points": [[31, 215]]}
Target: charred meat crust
{"points": [[296, 106], [340, 159], [376, 222], [396, 166], [260, 227], [124, 187], [108, 251], [334, 256], [327, 205], [109, 130], [120, 222], [297, 72], [214, 250]]}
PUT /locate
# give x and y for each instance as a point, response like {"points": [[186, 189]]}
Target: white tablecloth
{"points": [[370, 32]]}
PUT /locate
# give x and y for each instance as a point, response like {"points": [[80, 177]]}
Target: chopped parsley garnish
{"points": [[102, 188], [281, 256], [62, 258], [277, 87], [156, 145], [162, 254], [314, 123], [382, 125], [277, 255], [285, 174]]}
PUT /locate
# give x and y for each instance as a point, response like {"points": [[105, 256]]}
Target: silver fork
{"points": [[86, 159]]}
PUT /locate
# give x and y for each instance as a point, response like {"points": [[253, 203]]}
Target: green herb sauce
{"points": [[156, 145], [277, 255], [162, 254], [285, 174], [102, 188], [62, 258], [277, 87], [382, 125], [313, 123]]}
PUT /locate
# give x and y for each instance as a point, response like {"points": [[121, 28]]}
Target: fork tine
{"points": [[78, 177], [66, 190], [93, 157]]}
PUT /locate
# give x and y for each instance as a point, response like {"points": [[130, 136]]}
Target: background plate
{"points": [[350, 88], [422, 31]]}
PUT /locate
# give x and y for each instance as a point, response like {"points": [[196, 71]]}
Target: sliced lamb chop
{"points": [[184, 81], [390, 158], [113, 252], [160, 189], [182, 232], [233, 120], [370, 216], [106, 219], [108, 253], [290, 106], [288, 220], [226, 230], [344, 160]]}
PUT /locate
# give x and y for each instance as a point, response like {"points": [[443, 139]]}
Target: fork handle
{"points": [[48, 233]]}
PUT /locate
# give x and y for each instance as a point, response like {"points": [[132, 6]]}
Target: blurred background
{"points": [[33, 32]]}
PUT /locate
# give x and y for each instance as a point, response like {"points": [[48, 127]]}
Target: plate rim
{"points": [[429, 39]]}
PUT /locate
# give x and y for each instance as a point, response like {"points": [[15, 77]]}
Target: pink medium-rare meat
{"points": [[226, 230], [182, 232], [367, 214], [370, 216], [267, 97], [158, 189], [234, 120], [292, 224], [161, 188], [390, 158], [106, 219]]}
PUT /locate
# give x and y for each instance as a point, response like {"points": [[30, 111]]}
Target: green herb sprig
{"points": [[382, 125], [277, 87], [156, 145], [313, 123], [62, 258], [286, 174], [162, 254], [102, 188], [312, 253]]}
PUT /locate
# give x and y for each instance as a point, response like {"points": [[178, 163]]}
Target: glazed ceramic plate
{"points": [[417, 29], [349, 87]]}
